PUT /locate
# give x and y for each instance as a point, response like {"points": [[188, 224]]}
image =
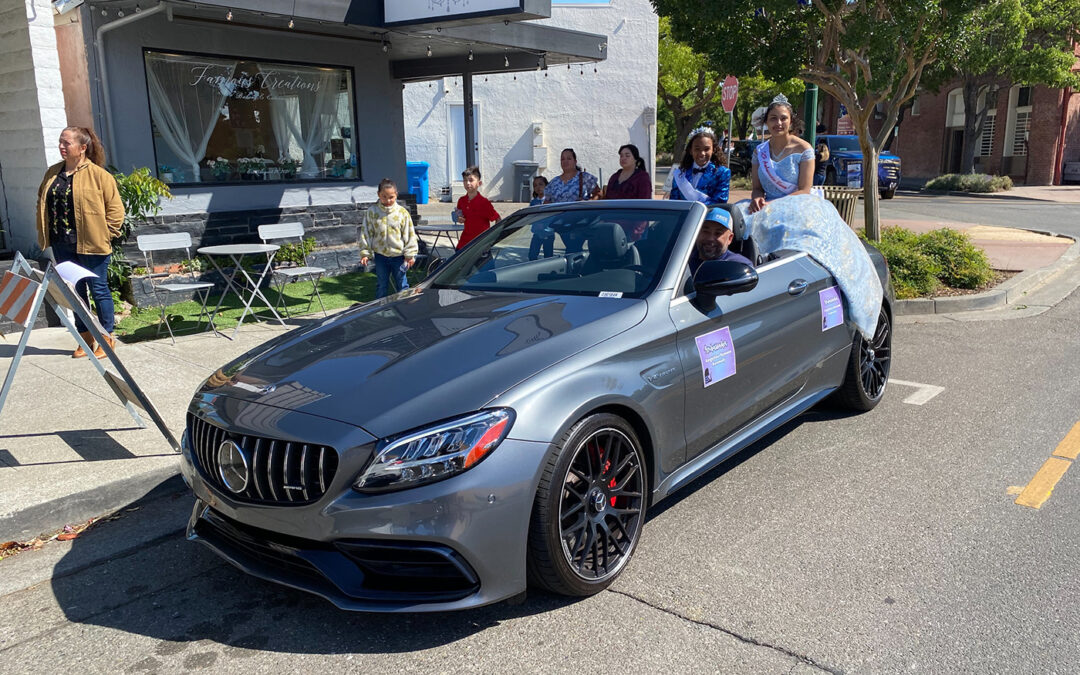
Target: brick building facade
{"points": [[1031, 134]]}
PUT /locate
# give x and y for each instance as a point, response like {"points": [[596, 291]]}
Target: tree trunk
{"points": [[971, 138], [683, 125], [870, 184]]}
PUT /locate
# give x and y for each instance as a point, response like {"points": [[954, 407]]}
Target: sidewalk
{"points": [[69, 451]]}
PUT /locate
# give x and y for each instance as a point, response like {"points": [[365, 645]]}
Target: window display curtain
{"points": [[310, 117], [185, 115]]}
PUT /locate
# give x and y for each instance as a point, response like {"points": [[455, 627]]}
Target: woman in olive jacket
{"points": [[78, 213]]}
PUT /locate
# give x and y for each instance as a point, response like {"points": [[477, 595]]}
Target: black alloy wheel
{"points": [[590, 508], [868, 367]]}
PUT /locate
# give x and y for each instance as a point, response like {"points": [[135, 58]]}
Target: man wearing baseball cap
{"points": [[713, 241]]}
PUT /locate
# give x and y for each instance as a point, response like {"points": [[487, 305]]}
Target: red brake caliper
{"points": [[607, 467]]}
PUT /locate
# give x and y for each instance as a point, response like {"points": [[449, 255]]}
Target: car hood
{"points": [[882, 156], [426, 355]]}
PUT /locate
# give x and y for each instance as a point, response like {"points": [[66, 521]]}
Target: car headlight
{"points": [[435, 453]]}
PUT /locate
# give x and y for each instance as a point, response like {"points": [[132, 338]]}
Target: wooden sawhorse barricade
{"points": [[22, 293]]}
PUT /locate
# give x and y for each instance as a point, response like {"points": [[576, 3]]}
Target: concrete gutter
{"points": [[1009, 292]]}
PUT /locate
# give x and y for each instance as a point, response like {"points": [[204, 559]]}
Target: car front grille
{"points": [[890, 170], [285, 473], [349, 570]]}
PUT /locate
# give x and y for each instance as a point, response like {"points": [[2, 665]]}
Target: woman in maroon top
{"points": [[633, 182]]}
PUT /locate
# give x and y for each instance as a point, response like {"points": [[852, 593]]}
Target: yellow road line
{"points": [[1069, 447], [1040, 487]]}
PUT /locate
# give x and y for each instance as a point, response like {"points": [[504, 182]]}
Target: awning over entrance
{"points": [[415, 52]]}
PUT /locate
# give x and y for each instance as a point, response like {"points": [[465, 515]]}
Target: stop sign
{"points": [[730, 93]]}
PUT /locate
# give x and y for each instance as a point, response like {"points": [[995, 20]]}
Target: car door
{"points": [[745, 353]]}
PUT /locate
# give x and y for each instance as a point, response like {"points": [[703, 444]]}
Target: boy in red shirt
{"points": [[473, 209]]}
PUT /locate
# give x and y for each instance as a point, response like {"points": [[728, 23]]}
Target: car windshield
{"points": [[617, 251], [844, 144]]}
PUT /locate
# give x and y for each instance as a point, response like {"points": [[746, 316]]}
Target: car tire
{"points": [[868, 368], [830, 176], [589, 508], [888, 194]]}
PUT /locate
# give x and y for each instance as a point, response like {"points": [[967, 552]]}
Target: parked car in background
{"points": [[739, 159], [844, 151], [511, 418]]}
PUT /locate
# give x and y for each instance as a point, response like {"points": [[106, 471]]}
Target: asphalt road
{"points": [[883, 542], [1005, 212]]}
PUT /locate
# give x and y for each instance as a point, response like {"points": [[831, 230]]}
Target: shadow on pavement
{"points": [[822, 412], [138, 574], [7, 351]]}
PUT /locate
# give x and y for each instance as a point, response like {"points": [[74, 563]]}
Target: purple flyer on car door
{"points": [[832, 308], [717, 354]]}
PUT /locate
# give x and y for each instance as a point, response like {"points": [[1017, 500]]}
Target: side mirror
{"points": [[724, 277], [436, 263]]}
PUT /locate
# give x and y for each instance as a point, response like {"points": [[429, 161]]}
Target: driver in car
{"points": [[713, 241]]}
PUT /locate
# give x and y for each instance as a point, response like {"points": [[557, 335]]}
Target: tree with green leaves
{"points": [[1027, 41], [685, 88], [868, 54], [756, 91]]}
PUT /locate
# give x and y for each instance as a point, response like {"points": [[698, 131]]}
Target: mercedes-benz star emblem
{"points": [[232, 466]]}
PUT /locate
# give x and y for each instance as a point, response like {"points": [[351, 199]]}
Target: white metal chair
{"points": [[286, 272], [148, 243]]}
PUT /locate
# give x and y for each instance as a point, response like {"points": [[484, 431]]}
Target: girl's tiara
{"points": [[780, 98], [700, 130]]}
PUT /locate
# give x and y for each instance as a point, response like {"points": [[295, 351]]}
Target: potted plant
{"points": [[141, 194], [221, 168], [252, 168], [289, 166]]}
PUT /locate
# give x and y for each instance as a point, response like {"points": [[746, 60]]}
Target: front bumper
{"points": [[449, 545]]}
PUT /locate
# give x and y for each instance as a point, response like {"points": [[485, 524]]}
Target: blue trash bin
{"points": [[417, 173]]}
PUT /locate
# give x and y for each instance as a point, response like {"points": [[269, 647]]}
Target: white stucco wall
{"points": [[593, 113], [31, 111]]}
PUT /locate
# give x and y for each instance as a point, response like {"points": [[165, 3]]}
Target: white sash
{"points": [[688, 191], [768, 167]]}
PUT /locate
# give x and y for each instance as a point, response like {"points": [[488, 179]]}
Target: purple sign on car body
{"points": [[832, 308], [717, 354]]}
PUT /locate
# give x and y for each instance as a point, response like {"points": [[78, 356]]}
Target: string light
{"points": [[385, 47], [291, 22], [506, 61], [429, 50], [228, 16], [120, 13], [470, 55], [137, 8]]}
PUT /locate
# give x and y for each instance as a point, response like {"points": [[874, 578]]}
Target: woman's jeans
{"points": [[385, 267], [98, 286]]}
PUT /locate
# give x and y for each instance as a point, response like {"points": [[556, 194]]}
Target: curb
{"points": [[1007, 293], [989, 195], [28, 523]]}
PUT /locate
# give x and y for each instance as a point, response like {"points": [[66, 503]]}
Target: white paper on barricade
{"points": [[72, 272], [688, 191]]}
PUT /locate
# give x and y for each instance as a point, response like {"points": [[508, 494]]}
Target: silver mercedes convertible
{"points": [[509, 421]]}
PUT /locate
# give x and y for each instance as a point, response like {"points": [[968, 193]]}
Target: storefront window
{"points": [[218, 119]]}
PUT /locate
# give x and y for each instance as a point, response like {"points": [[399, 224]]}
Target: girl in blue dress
{"points": [[702, 176], [783, 165], [782, 214]]}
